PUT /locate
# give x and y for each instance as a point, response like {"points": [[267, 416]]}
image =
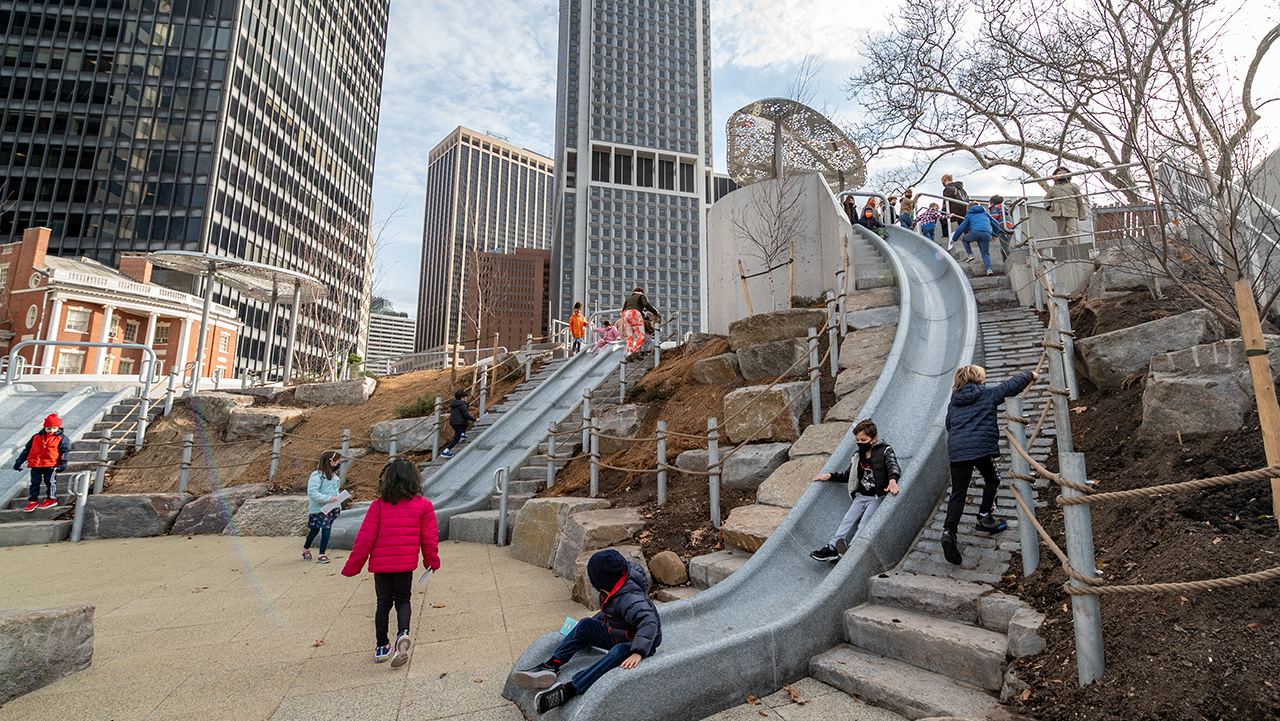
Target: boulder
{"points": [[271, 516], [668, 568], [168, 505], [750, 465], [995, 610], [40, 646], [775, 326], [774, 359], [701, 340], [270, 393], [1120, 270], [1203, 389], [538, 525], [211, 513], [1109, 358], [750, 408], [583, 592], [246, 423], [849, 407], [874, 298], [121, 516], [859, 346], [592, 531], [1024, 633], [865, 373], [479, 527], [621, 422], [873, 318], [717, 370], [694, 460], [215, 408], [748, 527], [341, 393], [820, 439], [785, 486], [706, 571], [412, 435], [667, 595]]}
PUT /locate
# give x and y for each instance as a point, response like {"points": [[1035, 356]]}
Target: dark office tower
{"points": [[236, 127], [633, 156], [484, 196]]}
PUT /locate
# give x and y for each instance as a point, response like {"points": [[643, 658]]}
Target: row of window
{"points": [[72, 190], [645, 176]]}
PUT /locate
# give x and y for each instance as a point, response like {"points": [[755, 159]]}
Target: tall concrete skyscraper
{"points": [[484, 195], [236, 127], [633, 156]]}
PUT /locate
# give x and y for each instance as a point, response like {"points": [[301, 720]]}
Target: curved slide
{"points": [[757, 630], [465, 483]]}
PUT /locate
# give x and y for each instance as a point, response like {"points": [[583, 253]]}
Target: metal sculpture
{"points": [[775, 137]]}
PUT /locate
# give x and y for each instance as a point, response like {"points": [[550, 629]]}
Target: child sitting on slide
{"points": [[873, 473]]}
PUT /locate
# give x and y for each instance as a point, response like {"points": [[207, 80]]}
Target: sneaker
{"points": [[991, 524], [970, 259], [842, 547], [990, 272], [464, 436], [306, 554], [826, 553], [48, 503], [555, 696], [541, 676], [322, 559], [950, 549], [30, 507], [446, 454], [381, 653], [401, 656]]}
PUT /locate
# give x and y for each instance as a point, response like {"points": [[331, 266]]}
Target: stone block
{"points": [[820, 439], [698, 341], [39, 646], [480, 526], [694, 460], [860, 346], [168, 505], [717, 370], [33, 533], [774, 359], [995, 610], [591, 531], [1121, 270], [748, 527], [874, 298], [538, 525], [271, 516], [934, 595], [621, 422], [849, 407], [1024, 633], [582, 591], [667, 595], [753, 407], [341, 393], [750, 465], [246, 423], [785, 486], [668, 568], [270, 393], [774, 326], [706, 571], [412, 435], [863, 374], [212, 512], [123, 516], [899, 687], [215, 408], [1109, 358], [873, 318], [1203, 389], [966, 653]]}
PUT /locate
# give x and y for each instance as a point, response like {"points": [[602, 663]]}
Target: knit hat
{"points": [[605, 569], [53, 421]]}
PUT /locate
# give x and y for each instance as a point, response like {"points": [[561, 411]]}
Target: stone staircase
{"points": [[119, 424], [870, 269]]}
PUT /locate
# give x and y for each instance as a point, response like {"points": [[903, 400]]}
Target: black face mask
{"points": [[865, 448]]}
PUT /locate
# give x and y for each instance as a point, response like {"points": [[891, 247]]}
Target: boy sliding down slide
{"points": [[873, 473]]}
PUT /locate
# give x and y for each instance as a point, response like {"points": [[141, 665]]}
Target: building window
{"points": [[600, 166], [666, 175], [130, 332], [622, 169], [114, 331], [126, 366], [224, 343], [33, 314], [4, 275], [78, 321], [686, 177], [70, 362], [162, 334], [107, 363]]}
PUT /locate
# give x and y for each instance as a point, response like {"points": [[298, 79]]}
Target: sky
{"points": [[490, 65]]}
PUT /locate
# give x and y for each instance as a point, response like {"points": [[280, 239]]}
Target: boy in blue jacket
{"points": [[973, 441], [627, 625], [978, 227]]}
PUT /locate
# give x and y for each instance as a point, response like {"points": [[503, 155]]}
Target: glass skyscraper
{"points": [[633, 156], [236, 127]]}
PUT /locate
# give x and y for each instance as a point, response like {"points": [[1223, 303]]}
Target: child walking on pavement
{"points": [[873, 473], [459, 418], [46, 454], [397, 525], [973, 441], [322, 489], [627, 628]]}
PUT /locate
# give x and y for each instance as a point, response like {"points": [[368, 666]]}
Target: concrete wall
{"points": [[819, 250]]}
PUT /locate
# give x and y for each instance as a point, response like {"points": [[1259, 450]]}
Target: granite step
{"points": [[33, 533], [966, 653], [899, 687]]}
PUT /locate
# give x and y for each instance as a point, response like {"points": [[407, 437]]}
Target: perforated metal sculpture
{"points": [[775, 137]]}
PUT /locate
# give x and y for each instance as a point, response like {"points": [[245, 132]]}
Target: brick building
{"points": [[516, 289]]}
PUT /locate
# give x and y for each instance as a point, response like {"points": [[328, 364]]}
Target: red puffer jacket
{"points": [[391, 536]]}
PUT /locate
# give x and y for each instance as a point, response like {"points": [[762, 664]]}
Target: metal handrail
{"points": [[503, 487], [80, 486], [144, 374]]}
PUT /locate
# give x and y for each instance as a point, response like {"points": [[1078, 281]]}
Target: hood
{"points": [[956, 183], [976, 210], [606, 569], [457, 402], [967, 395]]}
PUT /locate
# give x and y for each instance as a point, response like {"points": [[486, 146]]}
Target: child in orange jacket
{"points": [[46, 453], [577, 327]]}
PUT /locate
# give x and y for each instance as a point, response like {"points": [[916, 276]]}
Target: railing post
{"points": [[391, 453], [144, 409], [502, 504], [622, 382], [713, 465], [528, 356], [833, 342], [1037, 291], [101, 473], [168, 393], [657, 350], [1085, 611], [275, 453], [1057, 382], [843, 282], [1018, 465], [595, 457], [346, 451], [484, 392], [217, 378], [435, 432], [1062, 317], [586, 418], [662, 462], [551, 454], [80, 485], [188, 441], [815, 390]]}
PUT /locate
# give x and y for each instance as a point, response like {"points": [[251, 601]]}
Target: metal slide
{"points": [[465, 482], [757, 630]]}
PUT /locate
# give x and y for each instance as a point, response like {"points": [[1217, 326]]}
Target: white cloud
{"points": [[766, 33]]}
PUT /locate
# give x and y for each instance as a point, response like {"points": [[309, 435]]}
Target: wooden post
{"points": [[742, 273], [1264, 387]]}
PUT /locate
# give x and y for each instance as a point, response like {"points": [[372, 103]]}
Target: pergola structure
{"points": [[775, 137]]}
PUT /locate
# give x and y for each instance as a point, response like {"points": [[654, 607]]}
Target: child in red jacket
{"points": [[45, 454], [398, 523]]}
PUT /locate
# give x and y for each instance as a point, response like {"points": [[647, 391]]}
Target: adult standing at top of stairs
{"points": [[633, 310], [953, 209], [1066, 205]]}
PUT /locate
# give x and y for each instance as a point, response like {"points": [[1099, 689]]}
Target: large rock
{"points": [[168, 506], [668, 568], [748, 527], [1024, 633], [873, 318], [592, 531], [1204, 389], [538, 525], [862, 345], [848, 408], [342, 393], [271, 516], [620, 422], [750, 408], [750, 465], [774, 326], [1109, 358], [479, 526], [785, 486], [412, 435], [694, 460], [39, 646], [774, 359], [215, 408], [706, 571], [701, 340], [211, 513], [247, 423], [123, 516], [717, 370], [1122, 270], [820, 439], [586, 594], [865, 373], [873, 298]]}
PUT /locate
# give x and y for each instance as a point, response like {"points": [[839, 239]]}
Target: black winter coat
{"points": [[971, 418], [958, 206], [459, 415], [884, 466], [629, 614]]}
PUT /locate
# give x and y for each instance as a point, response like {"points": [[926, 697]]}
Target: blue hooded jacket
{"points": [[977, 220], [972, 431]]}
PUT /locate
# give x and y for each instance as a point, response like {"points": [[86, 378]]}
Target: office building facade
{"points": [[484, 195], [236, 127], [390, 333], [515, 290], [633, 156]]}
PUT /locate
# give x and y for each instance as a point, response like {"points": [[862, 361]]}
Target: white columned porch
{"points": [[51, 333], [101, 355]]}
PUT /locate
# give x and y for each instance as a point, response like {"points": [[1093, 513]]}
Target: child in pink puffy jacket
{"points": [[398, 523], [608, 334]]}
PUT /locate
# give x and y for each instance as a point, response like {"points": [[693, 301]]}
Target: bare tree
{"points": [[770, 224]]}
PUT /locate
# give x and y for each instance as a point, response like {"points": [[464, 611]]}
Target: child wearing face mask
{"points": [[873, 473]]}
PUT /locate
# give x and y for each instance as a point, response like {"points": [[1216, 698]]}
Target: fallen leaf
{"points": [[457, 540], [1253, 625], [1184, 600], [796, 698], [1026, 694], [479, 680], [1080, 409], [1217, 540], [762, 713], [319, 642], [648, 515], [752, 700], [437, 605], [443, 674]]}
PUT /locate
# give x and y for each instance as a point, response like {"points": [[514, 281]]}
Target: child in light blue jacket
{"points": [[322, 488]]}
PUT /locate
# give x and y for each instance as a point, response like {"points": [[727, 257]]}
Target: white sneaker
{"points": [[400, 655]]}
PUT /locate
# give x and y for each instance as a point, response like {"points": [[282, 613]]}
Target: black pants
{"points": [[324, 538], [961, 472], [397, 589], [457, 436], [42, 477]]}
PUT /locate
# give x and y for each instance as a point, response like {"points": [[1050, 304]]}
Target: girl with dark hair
{"points": [[397, 525], [322, 489]]}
